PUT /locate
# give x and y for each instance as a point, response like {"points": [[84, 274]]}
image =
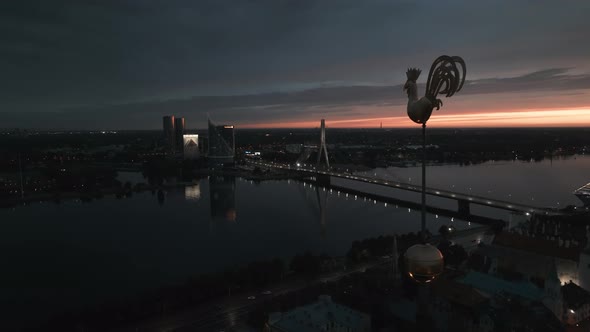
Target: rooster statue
{"points": [[444, 78]]}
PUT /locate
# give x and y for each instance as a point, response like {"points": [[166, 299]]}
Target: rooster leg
{"points": [[438, 104]]}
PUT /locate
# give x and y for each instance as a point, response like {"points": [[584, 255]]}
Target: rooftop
{"points": [[521, 261], [317, 316], [574, 296], [534, 245], [493, 285], [458, 293], [404, 309]]}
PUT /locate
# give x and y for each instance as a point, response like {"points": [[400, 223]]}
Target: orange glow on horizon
{"points": [[571, 117]]}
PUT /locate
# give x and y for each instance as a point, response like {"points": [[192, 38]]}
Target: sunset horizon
{"points": [[94, 66], [537, 118]]}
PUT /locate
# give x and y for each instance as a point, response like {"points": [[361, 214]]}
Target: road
{"points": [[225, 314]]}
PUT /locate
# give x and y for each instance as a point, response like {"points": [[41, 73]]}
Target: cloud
{"points": [[144, 54], [546, 88]]}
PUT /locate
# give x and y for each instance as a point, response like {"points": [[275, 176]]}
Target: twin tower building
{"points": [[219, 147]]}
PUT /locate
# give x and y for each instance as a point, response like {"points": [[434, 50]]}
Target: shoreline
{"points": [[120, 192]]}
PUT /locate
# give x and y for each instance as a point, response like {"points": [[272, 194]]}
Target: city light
{"points": [[124, 191]]}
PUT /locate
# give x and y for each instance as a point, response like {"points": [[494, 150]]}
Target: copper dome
{"points": [[424, 262]]}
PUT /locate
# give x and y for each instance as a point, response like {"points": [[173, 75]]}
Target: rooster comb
{"points": [[413, 73]]}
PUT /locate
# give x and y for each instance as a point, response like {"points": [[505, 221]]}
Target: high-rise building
{"points": [[203, 145], [169, 133], [221, 144], [179, 132], [191, 146]]}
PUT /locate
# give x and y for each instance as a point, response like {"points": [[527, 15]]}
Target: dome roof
{"points": [[423, 252], [424, 262]]}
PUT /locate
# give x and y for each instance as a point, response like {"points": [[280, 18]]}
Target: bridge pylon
{"points": [[323, 149]]}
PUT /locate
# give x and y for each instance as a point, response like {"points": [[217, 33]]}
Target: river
{"points": [[61, 256]]}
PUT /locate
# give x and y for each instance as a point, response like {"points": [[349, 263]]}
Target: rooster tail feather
{"points": [[444, 76], [459, 60]]}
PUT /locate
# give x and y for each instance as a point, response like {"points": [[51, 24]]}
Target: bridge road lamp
{"points": [[424, 261]]}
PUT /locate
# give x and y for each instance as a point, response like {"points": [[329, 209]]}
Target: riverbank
{"points": [[119, 192]]}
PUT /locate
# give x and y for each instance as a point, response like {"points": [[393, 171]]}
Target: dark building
{"points": [[169, 133], [221, 144], [223, 197], [203, 145], [179, 130]]}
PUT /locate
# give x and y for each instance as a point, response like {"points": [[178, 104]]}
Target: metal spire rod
{"points": [[424, 183]]}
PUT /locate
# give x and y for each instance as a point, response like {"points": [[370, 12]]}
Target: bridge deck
{"points": [[473, 199]]}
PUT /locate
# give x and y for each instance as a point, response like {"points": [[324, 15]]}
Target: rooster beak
{"points": [[405, 86]]}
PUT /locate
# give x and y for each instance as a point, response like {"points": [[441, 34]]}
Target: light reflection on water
{"points": [[74, 253], [192, 192], [112, 247]]}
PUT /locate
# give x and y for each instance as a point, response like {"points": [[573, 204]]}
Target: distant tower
{"points": [[169, 134], [222, 144], [323, 144], [179, 132]]}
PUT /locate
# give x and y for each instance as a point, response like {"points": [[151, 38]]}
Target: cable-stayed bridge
{"points": [[322, 176]]}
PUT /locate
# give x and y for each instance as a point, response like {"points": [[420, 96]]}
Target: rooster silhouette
{"points": [[444, 78]]}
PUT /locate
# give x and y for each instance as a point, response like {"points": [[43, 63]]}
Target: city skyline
{"points": [[74, 65], [263, 165]]}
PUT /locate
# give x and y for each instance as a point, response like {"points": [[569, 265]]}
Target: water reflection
{"points": [[317, 204], [322, 205], [192, 193], [161, 197], [222, 193]]}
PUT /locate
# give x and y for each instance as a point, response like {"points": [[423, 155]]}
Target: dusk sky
{"points": [[119, 64]]}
